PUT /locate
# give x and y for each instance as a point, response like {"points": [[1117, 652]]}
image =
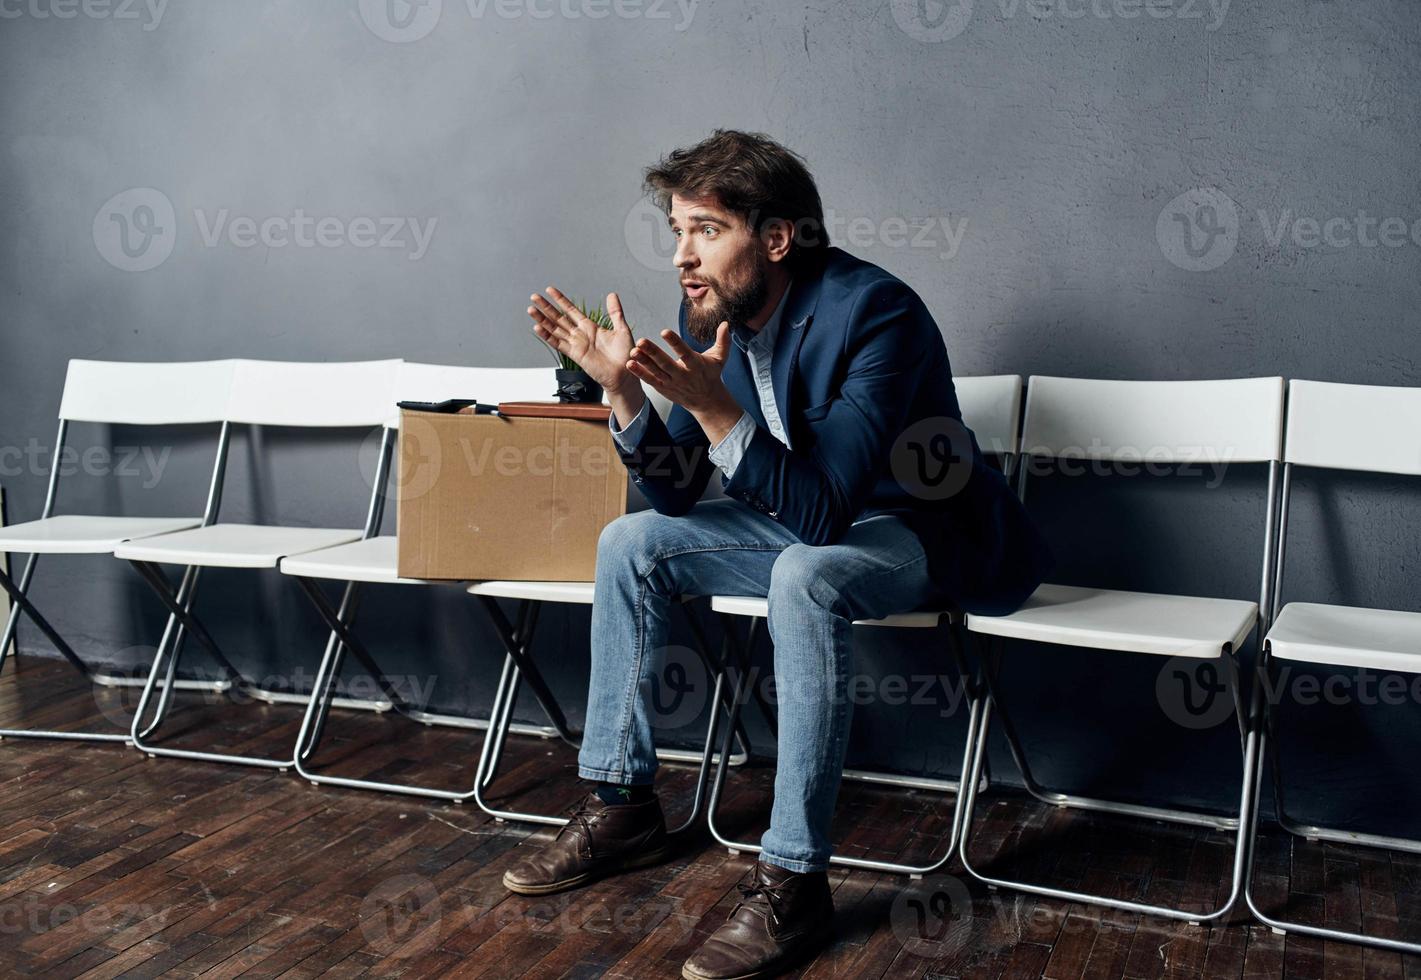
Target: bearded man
{"points": [[818, 384]]}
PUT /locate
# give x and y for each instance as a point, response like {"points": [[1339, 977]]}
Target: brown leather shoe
{"points": [[599, 840], [784, 918]]}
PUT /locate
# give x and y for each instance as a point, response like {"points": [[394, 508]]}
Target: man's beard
{"points": [[742, 294]]}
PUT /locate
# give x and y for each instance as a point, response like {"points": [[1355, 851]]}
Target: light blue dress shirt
{"points": [[726, 454]]}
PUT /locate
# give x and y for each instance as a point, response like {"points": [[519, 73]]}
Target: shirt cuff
{"points": [[629, 435], [726, 454]]}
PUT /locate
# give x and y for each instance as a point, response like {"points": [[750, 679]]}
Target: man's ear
{"points": [[778, 236]]}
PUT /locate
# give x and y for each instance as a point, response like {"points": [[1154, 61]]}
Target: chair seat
{"points": [[1136, 622], [374, 560], [755, 605], [234, 545], [1348, 636], [77, 534], [538, 591]]}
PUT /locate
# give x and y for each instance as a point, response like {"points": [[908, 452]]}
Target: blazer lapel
{"points": [[798, 315]]}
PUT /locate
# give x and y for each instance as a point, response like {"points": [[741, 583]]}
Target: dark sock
{"points": [[614, 794]]}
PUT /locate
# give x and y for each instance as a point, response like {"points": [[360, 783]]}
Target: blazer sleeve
{"points": [[818, 493], [670, 463]]}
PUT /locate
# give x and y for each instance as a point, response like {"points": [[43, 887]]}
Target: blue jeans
{"points": [[645, 560]]}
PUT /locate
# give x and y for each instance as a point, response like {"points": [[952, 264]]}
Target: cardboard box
{"points": [[490, 497]]}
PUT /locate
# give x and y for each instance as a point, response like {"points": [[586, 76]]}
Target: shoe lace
{"points": [[762, 896], [580, 819]]}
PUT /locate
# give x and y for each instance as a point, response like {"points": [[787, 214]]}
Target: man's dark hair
{"points": [[752, 176]]}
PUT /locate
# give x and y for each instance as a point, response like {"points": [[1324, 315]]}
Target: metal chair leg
{"points": [[743, 690], [1249, 746], [21, 603], [163, 589], [1278, 924]]}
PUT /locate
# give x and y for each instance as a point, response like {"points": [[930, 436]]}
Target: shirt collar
{"points": [[744, 336]]}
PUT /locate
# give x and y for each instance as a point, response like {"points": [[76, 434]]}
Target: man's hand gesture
{"points": [[602, 353]]}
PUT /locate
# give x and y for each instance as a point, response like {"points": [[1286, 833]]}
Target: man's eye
{"points": [[676, 232], [708, 229]]}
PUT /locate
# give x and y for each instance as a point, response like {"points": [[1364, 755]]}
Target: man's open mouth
{"points": [[694, 289]]}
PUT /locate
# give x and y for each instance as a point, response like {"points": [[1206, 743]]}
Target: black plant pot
{"points": [[574, 385]]}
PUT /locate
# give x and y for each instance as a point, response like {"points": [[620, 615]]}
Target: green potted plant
{"points": [[574, 384]]}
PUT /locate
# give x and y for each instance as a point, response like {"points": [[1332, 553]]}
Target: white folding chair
{"points": [[1341, 427], [991, 409], [374, 561], [1130, 422], [516, 668], [264, 393], [117, 393]]}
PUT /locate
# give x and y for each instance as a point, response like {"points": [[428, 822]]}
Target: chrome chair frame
{"points": [[18, 591], [1265, 719], [1249, 750], [518, 662], [178, 601], [738, 698]]}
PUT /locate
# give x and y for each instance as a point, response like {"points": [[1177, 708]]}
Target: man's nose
{"points": [[685, 254]]}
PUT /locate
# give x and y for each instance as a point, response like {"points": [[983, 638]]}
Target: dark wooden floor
{"points": [[112, 864]]}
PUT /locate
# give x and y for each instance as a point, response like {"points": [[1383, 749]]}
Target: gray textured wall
{"points": [[1021, 164]]}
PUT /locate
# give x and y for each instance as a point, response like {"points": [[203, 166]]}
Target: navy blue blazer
{"points": [[858, 361]]}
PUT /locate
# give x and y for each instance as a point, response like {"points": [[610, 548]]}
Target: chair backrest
{"points": [[991, 407], [437, 382], [313, 394], [1354, 427], [1235, 420], [140, 393]]}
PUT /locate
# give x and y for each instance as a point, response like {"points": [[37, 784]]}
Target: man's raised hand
{"points": [[602, 353]]}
